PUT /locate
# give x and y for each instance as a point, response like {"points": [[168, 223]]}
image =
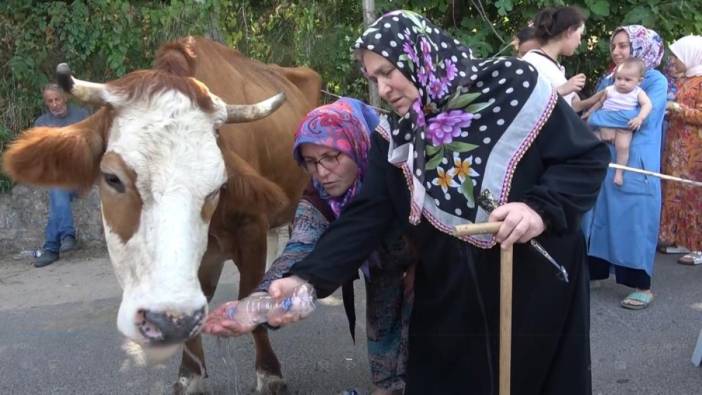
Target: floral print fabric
{"points": [[307, 227], [682, 157], [465, 106], [645, 43]]}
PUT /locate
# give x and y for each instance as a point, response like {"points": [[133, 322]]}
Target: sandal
{"points": [[662, 246], [637, 300], [693, 258], [671, 249]]}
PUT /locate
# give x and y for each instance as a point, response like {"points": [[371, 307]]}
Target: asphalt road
{"points": [[58, 336]]}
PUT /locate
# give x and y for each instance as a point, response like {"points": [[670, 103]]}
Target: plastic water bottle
{"points": [[256, 309]]}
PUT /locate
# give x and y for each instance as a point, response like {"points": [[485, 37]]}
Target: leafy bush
{"points": [[104, 39], [488, 26], [100, 39]]}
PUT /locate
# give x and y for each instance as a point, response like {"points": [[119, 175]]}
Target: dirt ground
{"points": [[23, 286], [643, 352]]}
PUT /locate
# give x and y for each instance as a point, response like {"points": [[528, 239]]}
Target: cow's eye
{"points": [[113, 181]]}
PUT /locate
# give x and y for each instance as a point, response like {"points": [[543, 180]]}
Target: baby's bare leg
{"points": [[622, 141], [607, 134]]}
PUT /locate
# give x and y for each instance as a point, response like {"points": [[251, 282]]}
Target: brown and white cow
{"points": [[182, 187]]}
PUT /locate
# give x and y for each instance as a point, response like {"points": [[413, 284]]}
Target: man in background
{"points": [[60, 233]]}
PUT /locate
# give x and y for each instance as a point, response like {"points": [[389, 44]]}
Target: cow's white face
{"points": [[160, 181], [153, 149]]}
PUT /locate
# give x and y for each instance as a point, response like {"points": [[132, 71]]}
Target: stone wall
{"points": [[23, 215], [24, 211]]}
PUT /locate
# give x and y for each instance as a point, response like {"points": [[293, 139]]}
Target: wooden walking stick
{"points": [[505, 301]]}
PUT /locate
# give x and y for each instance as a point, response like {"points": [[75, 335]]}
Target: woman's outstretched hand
{"points": [[218, 322], [520, 223]]}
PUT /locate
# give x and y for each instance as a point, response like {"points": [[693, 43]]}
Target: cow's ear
{"points": [[67, 156]]}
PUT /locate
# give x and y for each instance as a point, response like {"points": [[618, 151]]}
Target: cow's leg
{"points": [[251, 261], [192, 370]]}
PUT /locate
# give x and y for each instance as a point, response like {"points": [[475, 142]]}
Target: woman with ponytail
{"points": [[559, 31]]}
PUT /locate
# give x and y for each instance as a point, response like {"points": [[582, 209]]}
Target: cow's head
{"points": [[152, 148]]}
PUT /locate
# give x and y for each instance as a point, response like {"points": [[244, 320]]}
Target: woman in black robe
{"points": [[463, 126]]}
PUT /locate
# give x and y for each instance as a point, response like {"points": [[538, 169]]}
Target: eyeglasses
{"points": [[328, 162]]}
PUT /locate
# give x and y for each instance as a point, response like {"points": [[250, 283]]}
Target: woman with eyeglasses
{"points": [[331, 145]]}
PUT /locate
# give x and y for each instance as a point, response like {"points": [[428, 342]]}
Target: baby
{"points": [[616, 107]]}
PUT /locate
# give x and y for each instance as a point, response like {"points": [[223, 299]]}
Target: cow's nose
{"points": [[162, 328]]}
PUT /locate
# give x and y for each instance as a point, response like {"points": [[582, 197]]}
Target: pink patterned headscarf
{"points": [[645, 43], [344, 125]]}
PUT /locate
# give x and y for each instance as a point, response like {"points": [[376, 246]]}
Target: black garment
{"points": [[634, 278], [394, 255], [491, 108], [454, 329]]}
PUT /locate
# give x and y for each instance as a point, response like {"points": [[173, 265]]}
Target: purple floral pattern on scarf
{"points": [[435, 76], [448, 114], [345, 126], [446, 126], [443, 142]]}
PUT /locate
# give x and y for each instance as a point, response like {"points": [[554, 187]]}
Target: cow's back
{"points": [[264, 144]]}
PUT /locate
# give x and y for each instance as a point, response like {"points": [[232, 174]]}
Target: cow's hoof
{"points": [[268, 384], [192, 385]]}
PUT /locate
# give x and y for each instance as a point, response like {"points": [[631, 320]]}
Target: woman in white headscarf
{"points": [[680, 221]]}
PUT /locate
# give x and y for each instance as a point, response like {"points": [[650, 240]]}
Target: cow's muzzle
{"points": [[163, 328]]}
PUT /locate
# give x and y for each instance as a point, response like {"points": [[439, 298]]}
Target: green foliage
{"points": [[100, 39], [104, 39], [317, 34], [488, 26]]}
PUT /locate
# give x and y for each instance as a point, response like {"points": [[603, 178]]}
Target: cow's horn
{"points": [[85, 91], [251, 112]]}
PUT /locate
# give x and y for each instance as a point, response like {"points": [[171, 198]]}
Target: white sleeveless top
{"points": [[617, 101], [549, 69]]}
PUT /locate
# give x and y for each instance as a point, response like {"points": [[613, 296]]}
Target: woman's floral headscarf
{"points": [[689, 51], [645, 44], [344, 125], [469, 127]]}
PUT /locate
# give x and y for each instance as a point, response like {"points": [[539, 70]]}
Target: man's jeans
{"points": [[60, 223]]}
